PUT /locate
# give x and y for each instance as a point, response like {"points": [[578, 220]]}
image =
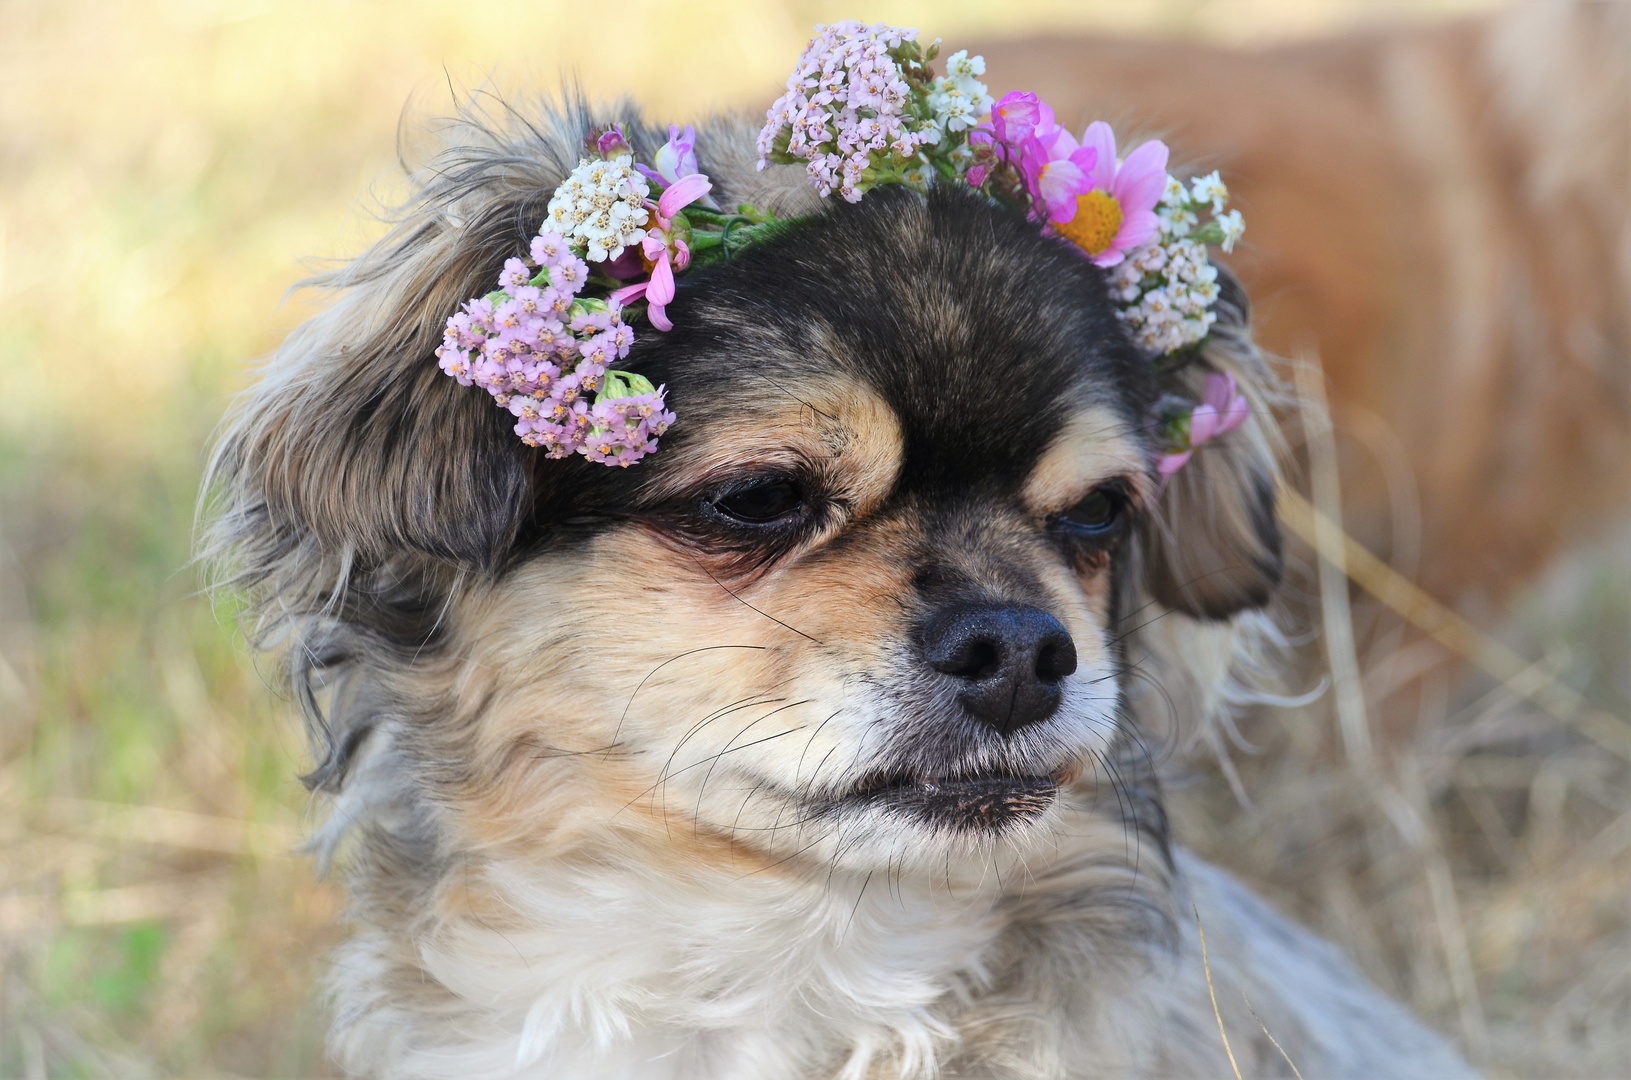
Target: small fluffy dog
{"points": [[811, 746]]}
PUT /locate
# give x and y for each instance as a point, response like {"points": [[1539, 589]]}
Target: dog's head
{"points": [[870, 601]]}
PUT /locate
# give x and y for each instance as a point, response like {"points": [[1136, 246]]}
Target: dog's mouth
{"points": [[983, 801]]}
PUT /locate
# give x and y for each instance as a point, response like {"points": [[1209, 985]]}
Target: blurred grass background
{"points": [[163, 166]]}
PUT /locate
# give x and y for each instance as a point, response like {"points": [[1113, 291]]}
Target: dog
{"points": [[811, 746]]}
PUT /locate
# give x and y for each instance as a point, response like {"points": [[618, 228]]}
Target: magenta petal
{"points": [[1110, 256], [1142, 178], [1032, 157], [1103, 141], [1085, 158], [659, 318], [1047, 130], [1220, 387], [1137, 229], [660, 290], [629, 292], [682, 193], [1203, 424], [1059, 183], [1045, 123], [1015, 116], [1235, 415], [1171, 463]]}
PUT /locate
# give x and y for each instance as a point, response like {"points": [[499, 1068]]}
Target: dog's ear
{"points": [[354, 437], [1211, 548], [353, 441]]}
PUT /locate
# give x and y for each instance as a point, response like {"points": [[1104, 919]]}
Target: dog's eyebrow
{"points": [[854, 441], [807, 404], [1095, 444]]}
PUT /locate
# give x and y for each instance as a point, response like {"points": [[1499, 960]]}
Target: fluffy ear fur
{"points": [[1212, 547], [366, 448], [354, 441]]}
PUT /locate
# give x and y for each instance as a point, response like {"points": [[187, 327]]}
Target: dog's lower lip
{"points": [[986, 802], [883, 784]]}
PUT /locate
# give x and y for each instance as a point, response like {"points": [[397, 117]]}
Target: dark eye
{"points": [[1097, 515], [761, 503]]}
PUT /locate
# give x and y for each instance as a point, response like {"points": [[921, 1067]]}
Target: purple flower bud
{"points": [[612, 142], [1015, 117]]}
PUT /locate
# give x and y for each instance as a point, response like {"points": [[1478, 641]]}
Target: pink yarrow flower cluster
{"points": [[545, 354], [845, 109]]}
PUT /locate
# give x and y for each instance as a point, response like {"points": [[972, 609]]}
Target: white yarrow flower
{"points": [[958, 103], [918, 177], [601, 207], [1167, 288], [1175, 221], [960, 65], [1210, 189], [957, 97]]}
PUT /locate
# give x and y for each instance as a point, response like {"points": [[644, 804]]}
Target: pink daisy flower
{"points": [[1222, 409], [1117, 211]]}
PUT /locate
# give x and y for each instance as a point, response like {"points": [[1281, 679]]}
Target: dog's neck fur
{"points": [[610, 967]]}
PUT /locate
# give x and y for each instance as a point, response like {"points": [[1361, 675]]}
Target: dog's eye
{"points": [[761, 503], [1096, 516]]}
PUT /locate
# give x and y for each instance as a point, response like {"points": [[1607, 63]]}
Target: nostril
{"points": [[1055, 658], [968, 658], [984, 660]]}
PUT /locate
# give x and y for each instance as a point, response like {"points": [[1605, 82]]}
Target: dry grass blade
{"points": [[1532, 682], [1292, 1065], [1206, 965], [1341, 654]]}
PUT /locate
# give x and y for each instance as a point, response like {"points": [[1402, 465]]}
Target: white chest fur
{"points": [[622, 973]]}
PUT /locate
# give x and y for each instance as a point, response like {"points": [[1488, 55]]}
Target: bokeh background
{"points": [[164, 168]]}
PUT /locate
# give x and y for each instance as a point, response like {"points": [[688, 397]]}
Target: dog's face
{"points": [[863, 607]]}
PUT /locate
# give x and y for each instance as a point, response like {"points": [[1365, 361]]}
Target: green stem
{"points": [[708, 247]]}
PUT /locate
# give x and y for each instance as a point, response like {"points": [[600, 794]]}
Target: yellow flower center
{"points": [[1097, 220]]}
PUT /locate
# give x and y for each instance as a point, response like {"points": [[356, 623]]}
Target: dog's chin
{"points": [[979, 803]]}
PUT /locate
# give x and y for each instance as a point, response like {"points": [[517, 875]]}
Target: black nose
{"points": [[1009, 661]]}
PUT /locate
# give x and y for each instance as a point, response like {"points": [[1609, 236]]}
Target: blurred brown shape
{"points": [[1441, 211]]}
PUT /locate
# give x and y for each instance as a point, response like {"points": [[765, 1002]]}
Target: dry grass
{"points": [[162, 165], [1468, 848]]}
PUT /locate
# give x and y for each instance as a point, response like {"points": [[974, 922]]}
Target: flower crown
{"points": [[863, 107]]}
